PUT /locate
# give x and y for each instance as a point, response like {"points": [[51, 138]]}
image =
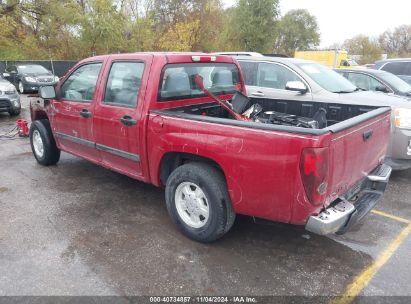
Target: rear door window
{"points": [[178, 80], [397, 68], [123, 83], [363, 81]]}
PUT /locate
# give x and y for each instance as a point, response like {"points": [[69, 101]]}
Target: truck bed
{"points": [[339, 116], [356, 142]]}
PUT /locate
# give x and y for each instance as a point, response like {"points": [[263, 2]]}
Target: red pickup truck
{"points": [[181, 121]]}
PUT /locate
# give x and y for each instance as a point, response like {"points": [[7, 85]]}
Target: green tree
{"points": [[365, 47], [102, 28], [210, 16], [142, 37], [184, 25], [297, 30], [37, 29], [182, 37], [251, 25]]}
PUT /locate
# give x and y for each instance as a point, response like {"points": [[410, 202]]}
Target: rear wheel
{"points": [[198, 202], [43, 144]]}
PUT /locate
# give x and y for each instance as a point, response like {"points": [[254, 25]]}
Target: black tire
{"points": [[213, 184], [51, 154], [15, 112]]}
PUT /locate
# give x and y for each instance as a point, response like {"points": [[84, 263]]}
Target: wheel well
{"points": [[173, 160], [38, 115]]}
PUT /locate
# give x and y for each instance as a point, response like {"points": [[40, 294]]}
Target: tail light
{"points": [[314, 173]]}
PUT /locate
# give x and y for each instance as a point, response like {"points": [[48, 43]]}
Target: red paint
{"points": [[270, 174], [22, 126]]}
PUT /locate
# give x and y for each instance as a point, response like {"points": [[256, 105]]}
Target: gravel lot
{"points": [[78, 229]]}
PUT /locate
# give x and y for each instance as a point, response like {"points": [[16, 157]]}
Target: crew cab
{"points": [[182, 121]]}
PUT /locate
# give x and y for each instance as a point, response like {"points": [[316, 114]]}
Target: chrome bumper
{"points": [[344, 214]]}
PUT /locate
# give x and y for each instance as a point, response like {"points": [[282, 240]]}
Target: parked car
{"points": [[29, 77], [278, 80], [9, 98], [377, 80], [163, 118], [400, 67]]}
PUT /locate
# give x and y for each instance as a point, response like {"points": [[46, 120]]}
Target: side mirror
{"points": [[382, 88], [296, 86], [47, 92]]}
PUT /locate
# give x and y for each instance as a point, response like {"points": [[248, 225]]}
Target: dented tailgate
{"points": [[356, 151]]}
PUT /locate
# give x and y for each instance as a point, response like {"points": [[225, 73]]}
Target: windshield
{"points": [[327, 78], [32, 69], [178, 80], [396, 82]]}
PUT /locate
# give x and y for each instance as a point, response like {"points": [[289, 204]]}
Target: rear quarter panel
{"points": [[261, 167]]}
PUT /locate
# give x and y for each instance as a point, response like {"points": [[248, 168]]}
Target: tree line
{"points": [[74, 29], [394, 43]]}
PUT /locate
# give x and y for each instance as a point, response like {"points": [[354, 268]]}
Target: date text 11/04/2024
{"points": [[203, 299]]}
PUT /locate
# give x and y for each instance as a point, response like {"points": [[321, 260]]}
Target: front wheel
{"points": [[15, 112], [43, 144], [21, 88], [198, 202]]}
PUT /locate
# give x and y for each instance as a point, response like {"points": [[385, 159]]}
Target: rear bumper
{"points": [[352, 207]]}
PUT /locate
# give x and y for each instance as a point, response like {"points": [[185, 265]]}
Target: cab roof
{"points": [[170, 57]]}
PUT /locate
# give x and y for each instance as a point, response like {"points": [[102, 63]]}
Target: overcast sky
{"points": [[340, 20]]}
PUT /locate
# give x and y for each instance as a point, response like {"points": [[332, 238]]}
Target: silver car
{"points": [[397, 66], [306, 81], [9, 98]]}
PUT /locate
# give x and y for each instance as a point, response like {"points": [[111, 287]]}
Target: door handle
{"points": [[367, 135], [128, 121], [85, 113], [258, 94]]}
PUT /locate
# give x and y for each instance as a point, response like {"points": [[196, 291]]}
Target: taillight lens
{"points": [[314, 173]]}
